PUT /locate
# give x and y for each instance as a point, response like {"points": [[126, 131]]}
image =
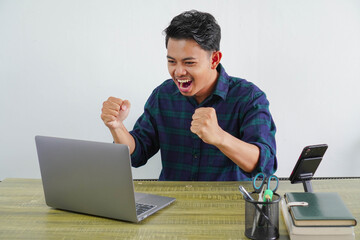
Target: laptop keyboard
{"points": [[141, 208]]}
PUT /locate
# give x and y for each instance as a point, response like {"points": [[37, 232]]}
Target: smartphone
{"points": [[308, 161]]}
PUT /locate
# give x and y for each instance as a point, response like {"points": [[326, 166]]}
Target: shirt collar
{"points": [[222, 85]]}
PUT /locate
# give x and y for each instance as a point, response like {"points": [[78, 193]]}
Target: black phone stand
{"points": [[307, 164], [306, 180], [304, 172]]}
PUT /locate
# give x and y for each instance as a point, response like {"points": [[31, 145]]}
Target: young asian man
{"points": [[208, 125]]}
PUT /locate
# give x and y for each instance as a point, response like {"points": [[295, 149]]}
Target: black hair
{"points": [[199, 26]]}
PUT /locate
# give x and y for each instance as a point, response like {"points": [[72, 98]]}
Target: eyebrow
{"points": [[184, 59]]}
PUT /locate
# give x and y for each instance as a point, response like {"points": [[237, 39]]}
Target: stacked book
{"points": [[325, 217]]}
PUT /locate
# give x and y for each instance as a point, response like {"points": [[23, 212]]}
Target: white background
{"points": [[59, 60]]}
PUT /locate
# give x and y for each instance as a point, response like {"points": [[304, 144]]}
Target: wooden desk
{"points": [[203, 210]]}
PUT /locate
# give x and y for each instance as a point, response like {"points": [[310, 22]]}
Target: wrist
{"points": [[118, 132], [221, 139]]}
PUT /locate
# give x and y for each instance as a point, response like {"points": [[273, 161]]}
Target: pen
{"points": [[248, 197], [268, 195], [266, 210], [257, 213], [245, 193]]}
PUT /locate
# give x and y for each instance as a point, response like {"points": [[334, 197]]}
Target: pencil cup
{"points": [[262, 218]]}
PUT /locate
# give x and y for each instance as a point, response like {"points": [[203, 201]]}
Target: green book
{"points": [[324, 209]]}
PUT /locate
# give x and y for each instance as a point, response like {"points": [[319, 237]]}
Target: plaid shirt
{"points": [[242, 110]]}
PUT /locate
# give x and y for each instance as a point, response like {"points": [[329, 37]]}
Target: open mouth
{"points": [[184, 84]]}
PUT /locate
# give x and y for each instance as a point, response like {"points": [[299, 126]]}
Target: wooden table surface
{"points": [[202, 210]]}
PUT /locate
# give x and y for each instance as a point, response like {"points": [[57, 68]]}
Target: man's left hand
{"points": [[205, 125]]}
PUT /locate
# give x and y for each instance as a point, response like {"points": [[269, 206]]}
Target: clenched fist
{"points": [[205, 125], [114, 112]]}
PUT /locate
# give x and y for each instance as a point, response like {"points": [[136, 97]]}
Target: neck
{"points": [[210, 89]]}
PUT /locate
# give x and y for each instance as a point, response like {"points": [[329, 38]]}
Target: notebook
{"points": [[318, 232], [324, 209], [93, 178]]}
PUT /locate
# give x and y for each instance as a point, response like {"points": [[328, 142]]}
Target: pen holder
{"points": [[262, 218]]}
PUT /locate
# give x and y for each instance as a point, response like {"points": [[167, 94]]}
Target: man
{"points": [[208, 126]]}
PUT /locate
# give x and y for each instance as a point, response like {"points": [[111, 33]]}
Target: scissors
{"points": [[262, 185]]}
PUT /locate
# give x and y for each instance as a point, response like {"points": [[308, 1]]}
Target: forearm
{"points": [[121, 135], [243, 154]]}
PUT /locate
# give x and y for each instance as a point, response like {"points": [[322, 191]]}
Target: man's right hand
{"points": [[114, 112]]}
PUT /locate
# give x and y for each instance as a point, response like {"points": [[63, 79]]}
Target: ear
{"points": [[215, 59]]}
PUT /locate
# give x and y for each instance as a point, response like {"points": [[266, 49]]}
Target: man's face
{"points": [[191, 68]]}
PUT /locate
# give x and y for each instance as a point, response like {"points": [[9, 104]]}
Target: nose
{"points": [[180, 70]]}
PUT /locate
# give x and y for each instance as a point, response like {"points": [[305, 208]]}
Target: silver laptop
{"points": [[93, 178]]}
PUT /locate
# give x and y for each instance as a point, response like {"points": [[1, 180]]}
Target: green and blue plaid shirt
{"points": [[242, 110]]}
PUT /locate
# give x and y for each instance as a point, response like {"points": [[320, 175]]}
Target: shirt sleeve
{"points": [[145, 134], [258, 128]]}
